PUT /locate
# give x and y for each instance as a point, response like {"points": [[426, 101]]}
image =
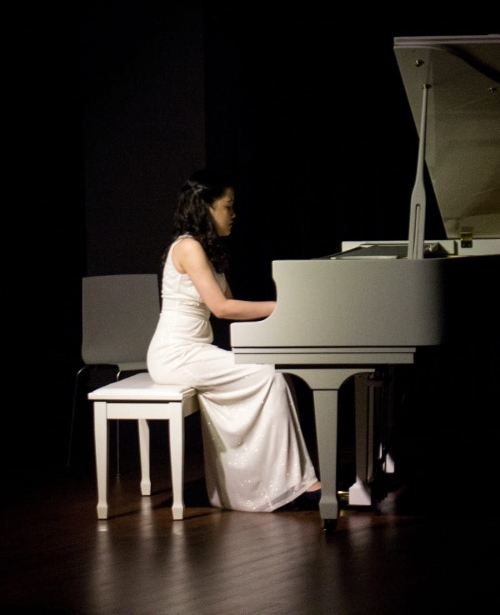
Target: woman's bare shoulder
{"points": [[188, 245], [188, 251]]}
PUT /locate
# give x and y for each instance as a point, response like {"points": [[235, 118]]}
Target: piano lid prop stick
{"points": [[418, 197]]}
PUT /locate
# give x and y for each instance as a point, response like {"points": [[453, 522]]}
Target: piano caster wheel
{"points": [[329, 525]]}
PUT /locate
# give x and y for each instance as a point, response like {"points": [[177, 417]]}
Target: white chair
{"points": [[119, 316], [139, 398]]}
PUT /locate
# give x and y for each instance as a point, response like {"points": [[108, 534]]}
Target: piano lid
{"points": [[462, 145]]}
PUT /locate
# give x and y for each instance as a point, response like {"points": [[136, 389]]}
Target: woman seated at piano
{"points": [[255, 454]]}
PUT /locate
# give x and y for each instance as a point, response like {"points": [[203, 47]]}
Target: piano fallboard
{"points": [[321, 357]]}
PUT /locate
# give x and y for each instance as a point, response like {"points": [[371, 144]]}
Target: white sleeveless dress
{"points": [[255, 455]]}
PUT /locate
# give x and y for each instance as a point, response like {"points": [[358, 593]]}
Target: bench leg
{"points": [[176, 434], [143, 427], [101, 453]]}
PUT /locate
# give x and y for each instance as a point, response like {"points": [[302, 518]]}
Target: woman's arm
{"points": [[190, 258]]}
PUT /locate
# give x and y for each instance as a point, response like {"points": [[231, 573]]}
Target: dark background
{"points": [[111, 105]]}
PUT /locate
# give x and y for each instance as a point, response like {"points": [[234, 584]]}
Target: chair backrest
{"points": [[119, 317]]}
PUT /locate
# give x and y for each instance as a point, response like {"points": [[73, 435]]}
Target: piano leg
{"points": [[373, 410], [325, 384], [365, 388], [326, 415]]}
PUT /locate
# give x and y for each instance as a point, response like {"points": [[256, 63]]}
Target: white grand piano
{"points": [[375, 303]]}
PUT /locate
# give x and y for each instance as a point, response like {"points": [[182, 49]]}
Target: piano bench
{"points": [[139, 398]]}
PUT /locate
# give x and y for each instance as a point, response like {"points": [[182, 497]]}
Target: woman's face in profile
{"points": [[222, 211]]}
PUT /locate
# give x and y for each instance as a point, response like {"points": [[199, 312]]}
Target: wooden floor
{"points": [[430, 546], [396, 558]]}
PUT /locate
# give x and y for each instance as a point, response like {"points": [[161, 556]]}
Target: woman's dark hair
{"points": [[192, 215]]}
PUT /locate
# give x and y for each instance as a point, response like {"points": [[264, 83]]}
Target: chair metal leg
{"points": [[73, 412], [75, 403], [118, 376]]}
